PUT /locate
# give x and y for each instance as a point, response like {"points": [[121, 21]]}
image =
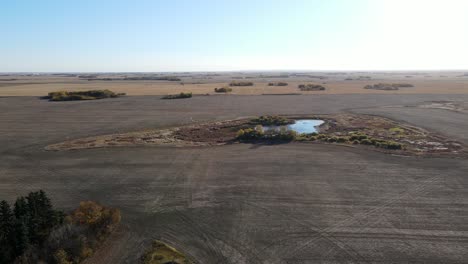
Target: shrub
{"points": [[342, 139], [272, 121], [250, 134], [390, 145], [366, 142], [357, 136], [177, 96], [81, 95], [240, 83], [281, 134], [223, 90], [278, 84], [160, 253], [61, 257], [311, 87], [321, 136]]}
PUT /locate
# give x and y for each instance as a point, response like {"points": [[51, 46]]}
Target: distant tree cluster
{"points": [[33, 232], [87, 76], [388, 86], [311, 87], [240, 83], [152, 78], [274, 76], [143, 78], [177, 96], [223, 90], [278, 84], [27, 225], [81, 95]]}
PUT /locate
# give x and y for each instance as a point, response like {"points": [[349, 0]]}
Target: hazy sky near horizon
{"points": [[210, 35]]}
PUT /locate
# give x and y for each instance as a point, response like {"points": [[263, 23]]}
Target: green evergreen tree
{"points": [[21, 239], [21, 208], [34, 217], [6, 233]]}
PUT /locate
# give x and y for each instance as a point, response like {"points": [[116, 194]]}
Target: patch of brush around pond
{"points": [[347, 129]]}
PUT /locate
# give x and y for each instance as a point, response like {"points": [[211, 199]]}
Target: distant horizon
{"points": [[234, 71]]}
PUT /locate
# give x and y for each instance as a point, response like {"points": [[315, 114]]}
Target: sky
{"points": [[225, 35]]}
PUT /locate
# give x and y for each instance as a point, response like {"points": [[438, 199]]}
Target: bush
{"points": [[177, 96], [357, 136], [160, 253], [366, 142], [250, 134], [272, 121], [86, 228], [278, 84], [389, 145], [281, 134], [311, 87], [81, 95], [223, 90], [342, 139], [240, 83]]}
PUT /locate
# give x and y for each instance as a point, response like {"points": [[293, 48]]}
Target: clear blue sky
{"points": [[197, 35]]}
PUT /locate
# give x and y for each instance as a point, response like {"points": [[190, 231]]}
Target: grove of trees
{"points": [[27, 224], [32, 231]]}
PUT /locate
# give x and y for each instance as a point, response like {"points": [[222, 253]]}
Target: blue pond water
{"points": [[301, 126]]}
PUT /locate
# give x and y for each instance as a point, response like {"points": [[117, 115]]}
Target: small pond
{"points": [[301, 126]]}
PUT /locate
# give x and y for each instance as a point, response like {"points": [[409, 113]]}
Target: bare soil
{"points": [[248, 203]]}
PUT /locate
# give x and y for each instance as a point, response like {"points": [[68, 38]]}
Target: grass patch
{"points": [[161, 253], [81, 95], [177, 96], [223, 90], [311, 87], [397, 130]]}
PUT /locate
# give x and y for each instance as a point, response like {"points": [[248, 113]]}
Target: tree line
{"points": [[27, 223]]}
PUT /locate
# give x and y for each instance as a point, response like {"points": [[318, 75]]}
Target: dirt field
{"points": [[204, 83], [287, 203]]}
